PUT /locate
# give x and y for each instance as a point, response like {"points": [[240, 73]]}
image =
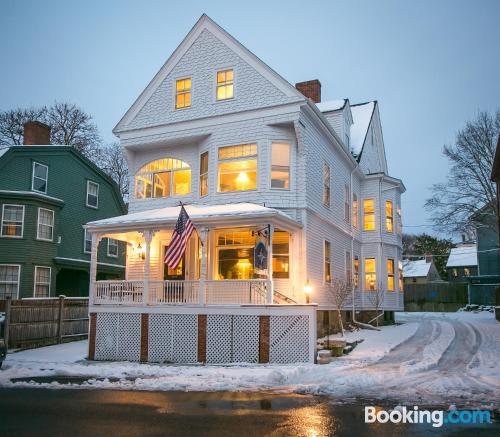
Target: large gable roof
{"points": [[362, 114], [206, 23]]}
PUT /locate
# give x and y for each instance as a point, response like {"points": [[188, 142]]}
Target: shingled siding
{"points": [[201, 62]]}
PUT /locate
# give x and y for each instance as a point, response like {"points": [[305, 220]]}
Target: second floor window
{"points": [[237, 168], [326, 184], [390, 274], [370, 274], [183, 93], [389, 217], [163, 178], [45, 228], [280, 166], [92, 194], [355, 210], [204, 174], [327, 262], [368, 214], [39, 177], [12, 220], [225, 85]]}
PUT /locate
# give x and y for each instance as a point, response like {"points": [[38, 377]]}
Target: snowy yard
{"points": [[434, 358]]}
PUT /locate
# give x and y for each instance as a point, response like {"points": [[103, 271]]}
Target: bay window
{"points": [[235, 254], [356, 272], [280, 166], [237, 168], [12, 221], [368, 214], [390, 274], [400, 275], [355, 210], [370, 274], [389, 219], [45, 228]]}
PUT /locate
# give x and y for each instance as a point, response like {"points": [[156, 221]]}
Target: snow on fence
{"points": [[211, 334], [38, 322]]}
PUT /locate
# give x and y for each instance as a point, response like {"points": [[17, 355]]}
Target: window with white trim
{"points": [[280, 166], [326, 184], [92, 194], [356, 272], [327, 269], [45, 228], [389, 216], [225, 85], [87, 241], [42, 281], [12, 221], [400, 275], [183, 93], [163, 178], [370, 274], [39, 177], [390, 274], [112, 247], [203, 174], [237, 168], [9, 280], [281, 254], [355, 210]]}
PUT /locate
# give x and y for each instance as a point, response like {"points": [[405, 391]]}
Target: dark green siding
{"points": [[67, 180]]}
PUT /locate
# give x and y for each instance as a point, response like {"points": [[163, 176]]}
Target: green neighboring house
{"points": [[47, 194]]}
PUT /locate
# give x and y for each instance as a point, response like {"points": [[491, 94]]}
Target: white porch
{"points": [[219, 267]]}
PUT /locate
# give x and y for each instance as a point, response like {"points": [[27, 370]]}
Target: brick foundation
{"points": [[264, 327]]}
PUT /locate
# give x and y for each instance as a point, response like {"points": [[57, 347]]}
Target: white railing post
{"points": [[148, 237], [270, 290], [96, 238], [202, 235]]}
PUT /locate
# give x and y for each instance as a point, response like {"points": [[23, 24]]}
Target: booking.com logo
{"points": [[437, 418]]}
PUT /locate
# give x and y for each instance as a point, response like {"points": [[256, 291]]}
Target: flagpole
{"points": [[195, 229]]}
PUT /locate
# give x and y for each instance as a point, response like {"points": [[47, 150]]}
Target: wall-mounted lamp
{"points": [[307, 291], [139, 250]]}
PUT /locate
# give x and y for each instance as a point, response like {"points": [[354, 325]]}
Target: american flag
{"points": [[183, 230]]}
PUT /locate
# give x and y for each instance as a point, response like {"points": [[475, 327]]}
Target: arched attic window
{"points": [[163, 178]]}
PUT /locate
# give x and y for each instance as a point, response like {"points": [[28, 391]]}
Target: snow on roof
{"points": [[465, 255], [331, 105], [3, 151], [361, 116], [416, 269], [195, 212]]}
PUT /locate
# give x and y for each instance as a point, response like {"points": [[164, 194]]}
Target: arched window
{"points": [[163, 178]]}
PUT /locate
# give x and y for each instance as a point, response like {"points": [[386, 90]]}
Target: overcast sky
{"points": [[432, 65]]}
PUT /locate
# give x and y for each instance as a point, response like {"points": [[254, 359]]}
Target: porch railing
{"points": [[223, 292]]}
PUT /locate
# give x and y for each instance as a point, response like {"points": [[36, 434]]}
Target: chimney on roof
{"points": [[310, 89], [36, 133], [428, 258]]}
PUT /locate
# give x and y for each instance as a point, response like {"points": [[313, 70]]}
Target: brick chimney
{"points": [[36, 133], [311, 89], [428, 258]]}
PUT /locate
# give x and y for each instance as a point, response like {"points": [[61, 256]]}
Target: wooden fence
{"points": [[435, 296], [40, 322]]}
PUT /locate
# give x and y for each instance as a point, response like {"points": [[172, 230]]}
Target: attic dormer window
{"points": [[183, 93], [225, 85]]}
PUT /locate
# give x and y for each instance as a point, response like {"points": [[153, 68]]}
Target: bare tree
{"points": [[376, 298], [12, 124], [339, 291], [468, 187], [114, 163], [70, 125]]}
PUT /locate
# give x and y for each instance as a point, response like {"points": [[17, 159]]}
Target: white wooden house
{"points": [[254, 160]]}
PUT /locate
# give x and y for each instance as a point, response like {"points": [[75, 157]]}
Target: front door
{"points": [[173, 292]]}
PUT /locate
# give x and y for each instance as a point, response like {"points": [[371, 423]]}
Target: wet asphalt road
{"points": [[42, 412]]}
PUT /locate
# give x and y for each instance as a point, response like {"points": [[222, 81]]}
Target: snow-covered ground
{"points": [[433, 358]]}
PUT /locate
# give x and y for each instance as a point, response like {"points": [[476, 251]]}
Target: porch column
{"points": [[96, 238], [203, 234], [148, 237], [270, 285]]}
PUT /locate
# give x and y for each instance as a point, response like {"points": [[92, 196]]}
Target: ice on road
{"points": [[433, 358]]}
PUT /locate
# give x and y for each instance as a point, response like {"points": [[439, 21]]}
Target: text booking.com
{"points": [[437, 418]]}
